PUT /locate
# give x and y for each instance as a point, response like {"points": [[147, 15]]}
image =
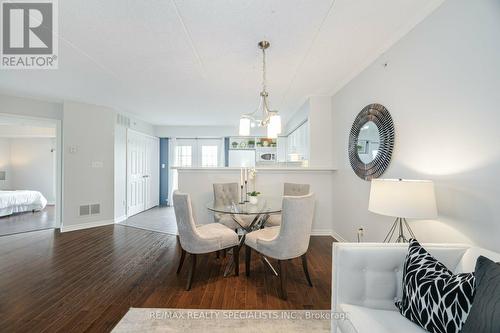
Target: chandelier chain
{"points": [[263, 70]]}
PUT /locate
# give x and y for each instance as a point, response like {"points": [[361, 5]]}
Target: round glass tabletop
{"points": [[269, 205]]}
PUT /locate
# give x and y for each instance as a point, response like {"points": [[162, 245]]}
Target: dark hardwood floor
{"points": [[87, 280]]}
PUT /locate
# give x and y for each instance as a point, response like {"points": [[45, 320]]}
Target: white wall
{"points": [[199, 184], [442, 87], [142, 126], [33, 166], [320, 132], [89, 171], [120, 180], [195, 131], [5, 163], [30, 107]]}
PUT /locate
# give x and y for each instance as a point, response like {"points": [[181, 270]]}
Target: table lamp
{"points": [[402, 198]]}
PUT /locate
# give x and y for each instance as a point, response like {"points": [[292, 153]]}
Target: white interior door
{"points": [[135, 173], [142, 172]]}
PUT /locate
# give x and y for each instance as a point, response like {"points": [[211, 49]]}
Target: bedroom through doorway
{"points": [[29, 174]]}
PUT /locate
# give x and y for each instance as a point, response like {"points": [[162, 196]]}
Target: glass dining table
{"points": [[258, 212]]}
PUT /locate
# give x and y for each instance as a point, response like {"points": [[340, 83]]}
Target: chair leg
{"points": [[191, 271], [217, 253], [181, 261], [224, 253], [236, 258], [306, 271], [282, 264], [248, 256]]}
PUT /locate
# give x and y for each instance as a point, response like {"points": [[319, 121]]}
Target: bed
{"points": [[21, 201]]}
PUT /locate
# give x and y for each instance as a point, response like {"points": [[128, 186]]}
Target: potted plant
{"points": [[251, 143], [234, 144], [253, 197]]}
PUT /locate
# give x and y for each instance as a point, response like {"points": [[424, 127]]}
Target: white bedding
{"points": [[21, 201]]}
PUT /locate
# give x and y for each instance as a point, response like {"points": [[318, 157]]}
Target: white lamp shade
{"points": [[244, 127], [271, 133], [275, 123], [403, 198]]}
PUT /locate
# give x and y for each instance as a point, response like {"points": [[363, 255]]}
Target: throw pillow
{"points": [[433, 297], [485, 313]]}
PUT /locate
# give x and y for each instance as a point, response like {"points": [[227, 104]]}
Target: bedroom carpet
{"points": [[159, 219], [24, 222]]}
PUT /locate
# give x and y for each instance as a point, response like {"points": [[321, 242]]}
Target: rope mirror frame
{"points": [[378, 114]]}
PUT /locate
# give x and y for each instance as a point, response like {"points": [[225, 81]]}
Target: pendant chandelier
{"points": [[263, 116]]}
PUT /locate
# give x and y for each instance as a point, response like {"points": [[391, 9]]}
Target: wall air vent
{"points": [[123, 120], [84, 210], [95, 209]]}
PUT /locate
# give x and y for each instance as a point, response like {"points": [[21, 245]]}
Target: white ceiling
{"points": [[195, 62]]}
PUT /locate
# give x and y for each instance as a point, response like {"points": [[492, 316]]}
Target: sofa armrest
{"points": [[370, 274]]}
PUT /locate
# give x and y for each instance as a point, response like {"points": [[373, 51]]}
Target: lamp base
{"points": [[400, 224]]}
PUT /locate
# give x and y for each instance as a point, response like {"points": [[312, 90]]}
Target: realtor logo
{"points": [[29, 34]]}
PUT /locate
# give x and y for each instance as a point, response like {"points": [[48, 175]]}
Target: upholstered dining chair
{"points": [[285, 242], [289, 189], [227, 194], [200, 239]]}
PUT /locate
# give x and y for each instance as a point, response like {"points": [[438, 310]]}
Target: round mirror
{"points": [[371, 142], [368, 142]]}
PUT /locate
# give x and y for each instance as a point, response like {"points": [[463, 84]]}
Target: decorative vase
{"points": [[253, 200]]}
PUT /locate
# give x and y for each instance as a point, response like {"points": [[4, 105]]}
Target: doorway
{"points": [[30, 174]]}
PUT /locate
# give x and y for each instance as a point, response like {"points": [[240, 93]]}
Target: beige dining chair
{"points": [[202, 238], [285, 242], [225, 194], [289, 189]]}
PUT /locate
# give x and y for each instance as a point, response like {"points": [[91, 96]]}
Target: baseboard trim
{"points": [[338, 237], [328, 232], [88, 225], [120, 218], [321, 232]]}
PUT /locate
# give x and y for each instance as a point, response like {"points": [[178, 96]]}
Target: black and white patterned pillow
{"points": [[433, 297]]}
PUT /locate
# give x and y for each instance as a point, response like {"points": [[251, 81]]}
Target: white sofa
{"points": [[367, 280]]}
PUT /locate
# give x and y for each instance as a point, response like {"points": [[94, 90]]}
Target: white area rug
{"points": [[223, 321]]}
